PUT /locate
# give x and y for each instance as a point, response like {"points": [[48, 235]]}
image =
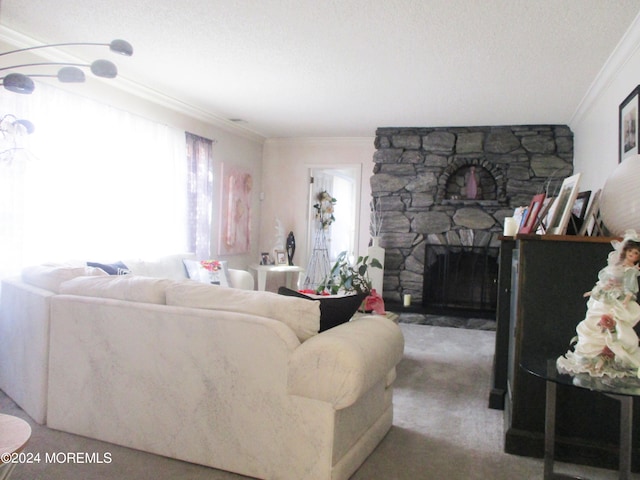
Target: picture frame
{"points": [[578, 212], [235, 210], [628, 125], [530, 222], [281, 257], [590, 225], [265, 258], [559, 217], [543, 216]]}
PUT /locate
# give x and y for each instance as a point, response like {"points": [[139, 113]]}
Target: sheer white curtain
{"points": [[95, 183]]}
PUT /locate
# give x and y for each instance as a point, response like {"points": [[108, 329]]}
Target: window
{"points": [[95, 183]]}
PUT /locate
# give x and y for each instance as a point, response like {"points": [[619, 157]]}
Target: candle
{"points": [[407, 300], [510, 227]]}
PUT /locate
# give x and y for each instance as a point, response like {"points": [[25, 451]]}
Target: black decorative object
{"points": [[291, 247]]}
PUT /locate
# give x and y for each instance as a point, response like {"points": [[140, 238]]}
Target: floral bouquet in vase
{"points": [[213, 268]]}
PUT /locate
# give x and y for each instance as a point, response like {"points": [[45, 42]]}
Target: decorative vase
{"points": [[376, 274], [620, 200]]}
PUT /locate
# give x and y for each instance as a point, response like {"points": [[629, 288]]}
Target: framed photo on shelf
{"points": [[590, 225], [543, 216], [530, 222], [561, 209], [281, 257], [628, 125], [578, 212]]}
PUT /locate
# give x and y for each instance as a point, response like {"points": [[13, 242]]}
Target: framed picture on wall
{"points": [[235, 211], [628, 125]]}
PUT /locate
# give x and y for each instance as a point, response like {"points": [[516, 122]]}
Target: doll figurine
{"points": [[606, 343], [291, 247]]}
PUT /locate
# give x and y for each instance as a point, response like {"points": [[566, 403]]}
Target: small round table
{"points": [[14, 435], [622, 389]]}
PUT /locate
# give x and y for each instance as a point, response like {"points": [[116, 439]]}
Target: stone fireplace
{"points": [[453, 187]]}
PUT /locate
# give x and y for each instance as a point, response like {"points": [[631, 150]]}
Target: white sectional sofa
{"points": [[229, 378], [24, 321]]}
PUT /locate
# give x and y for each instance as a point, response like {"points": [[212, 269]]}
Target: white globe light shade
{"points": [[620, 202]]}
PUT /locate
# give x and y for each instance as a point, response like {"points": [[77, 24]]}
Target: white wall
{"points": [[595, 123], [286, 163]]}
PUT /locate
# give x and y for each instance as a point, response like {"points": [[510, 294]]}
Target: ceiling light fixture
{"points": [[68, 73]]}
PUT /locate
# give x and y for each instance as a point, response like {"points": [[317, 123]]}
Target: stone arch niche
{"points": [[454, 181]]}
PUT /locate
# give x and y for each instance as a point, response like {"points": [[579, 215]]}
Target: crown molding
{"points": [[18, 40], [624, 50], [323, 141]]}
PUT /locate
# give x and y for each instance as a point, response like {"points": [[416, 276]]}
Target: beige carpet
{"points": [[442, 428]]}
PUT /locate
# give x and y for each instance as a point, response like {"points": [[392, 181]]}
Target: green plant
{"points": [[346, 277]]}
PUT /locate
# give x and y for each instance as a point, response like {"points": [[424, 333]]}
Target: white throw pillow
{"points": [[301, 315], [49, 277], [168, 266], [196, 271]]}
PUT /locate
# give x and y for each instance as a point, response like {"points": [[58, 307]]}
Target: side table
{"points": [[263, 270], [621, 389], [14, 435]]}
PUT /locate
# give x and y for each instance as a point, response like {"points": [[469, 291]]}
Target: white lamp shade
{"points": [[620, 202]]}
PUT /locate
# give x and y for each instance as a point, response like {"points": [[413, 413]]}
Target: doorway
{"points": [[342, 182]]}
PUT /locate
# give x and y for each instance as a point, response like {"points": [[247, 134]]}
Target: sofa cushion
{"points": [[117, 268], [334, 309], [301, 315], [133, 288], [50, 276], [196, 271]]}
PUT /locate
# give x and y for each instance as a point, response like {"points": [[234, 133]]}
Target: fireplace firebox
{"points": [[460, 278]]}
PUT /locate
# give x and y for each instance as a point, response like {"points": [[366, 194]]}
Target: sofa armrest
{"points": [[24, 345], [241, 279], [339, 365]]}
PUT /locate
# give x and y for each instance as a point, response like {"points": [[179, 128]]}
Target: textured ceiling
{"points": [[309, 68]]}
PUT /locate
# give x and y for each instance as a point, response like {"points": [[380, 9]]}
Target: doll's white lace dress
{"points": [[606, 343]]}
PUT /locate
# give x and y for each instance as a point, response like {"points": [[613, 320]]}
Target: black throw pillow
{"points": [[117, 268], [334, 309]]}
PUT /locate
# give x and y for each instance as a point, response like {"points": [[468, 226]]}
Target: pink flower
{"points": [[607, 322], [606, 352], [210, 265], [374, 303]]}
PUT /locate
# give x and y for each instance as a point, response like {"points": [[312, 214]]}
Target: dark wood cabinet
{"points": [[549, 275], [503, 315]]}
